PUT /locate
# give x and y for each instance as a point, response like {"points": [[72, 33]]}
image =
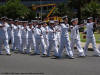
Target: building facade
{"points": [[30, 2]]}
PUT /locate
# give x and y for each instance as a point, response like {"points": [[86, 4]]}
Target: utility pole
{"points": [[41, 9]]}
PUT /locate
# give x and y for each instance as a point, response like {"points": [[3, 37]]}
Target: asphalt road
{"points": [[20, 64]]}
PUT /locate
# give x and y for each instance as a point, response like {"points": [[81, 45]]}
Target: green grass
{"points": [[97, 36]]}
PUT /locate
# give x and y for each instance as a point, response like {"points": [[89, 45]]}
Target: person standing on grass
{"points": [[90, 36]]}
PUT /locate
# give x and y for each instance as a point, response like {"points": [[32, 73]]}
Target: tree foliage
{"points": [[76, 6], [91, 9], [14, 9], [62, 9]]}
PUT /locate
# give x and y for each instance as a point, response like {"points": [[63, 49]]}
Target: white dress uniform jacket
{"points": [[52, 37], [40, 41], [45, 35], [75, 39], [31, 40]]}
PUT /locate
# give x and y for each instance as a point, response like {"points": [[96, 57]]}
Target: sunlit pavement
{"points": [[21, 64]]}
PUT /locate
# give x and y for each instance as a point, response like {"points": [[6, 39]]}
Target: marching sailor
{"points": [[11, 32], [90, 36], [75, 37], [4, 36], [31, 39], [58, 28], [45, 33], [24, 36], [40, 40], [17, 36], [52, 37], [64, 40]]}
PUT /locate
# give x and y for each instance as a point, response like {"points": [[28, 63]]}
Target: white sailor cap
{"points": [[51, 21], [4, 17], [1, 25], [74, 19], [64, 17], [10, 19], [44, 22], [33, 20], [20, 21], [16, 20], [25, 21], [90, 18], [30, 23]]}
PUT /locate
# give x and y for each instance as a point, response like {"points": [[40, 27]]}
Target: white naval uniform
{"points": [[52, 37], [65, 42], [4, 38], [17, 38], [45, 35], [99, 48], [39, 41], [58, 28], [90, 39], [31, 40], [75, 39], [24, 37], [11, 34]]}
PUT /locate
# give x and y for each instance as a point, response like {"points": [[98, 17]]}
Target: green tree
{"points": [[91, 9], [62, 9], [76, 6], [31, 15], [14, 9]]}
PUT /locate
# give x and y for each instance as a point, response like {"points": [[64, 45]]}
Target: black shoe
{"points": [[96, 55], [27, 52], [47, 56], [57, 57], [43, 55], [82, 56], [1, 54], [35, 54], [22, 52], [8, 54], [71, 57]]}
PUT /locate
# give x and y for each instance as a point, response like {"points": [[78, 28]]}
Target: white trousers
{"points": [[40, 43], [58, 41], [30, 45], [65, 42], [24, 44], [99, 48], [46, 42], [78, 45], [12, 40], [93, 41], [17, 43], [6, 45], [52, 45]]}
